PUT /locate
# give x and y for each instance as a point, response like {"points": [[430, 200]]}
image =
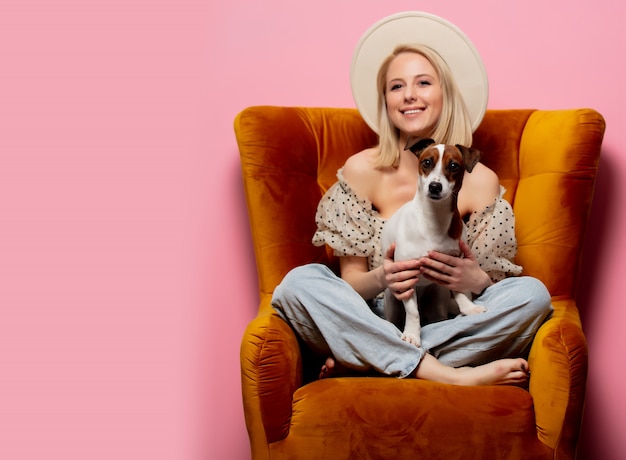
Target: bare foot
{"points": [[331, 368], [501, 372], [328, 368]]}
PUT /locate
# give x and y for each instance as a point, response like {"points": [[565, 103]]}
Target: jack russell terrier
{"points": [[429, 222]]}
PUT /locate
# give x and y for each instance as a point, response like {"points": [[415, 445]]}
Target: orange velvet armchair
{"points": [[547, 160]]}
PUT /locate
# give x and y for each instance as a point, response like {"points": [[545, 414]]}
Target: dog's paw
{"points": [[473, 309], [412, 339]]}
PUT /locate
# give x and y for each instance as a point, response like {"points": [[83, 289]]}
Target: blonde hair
{"points": [[453, 126]]}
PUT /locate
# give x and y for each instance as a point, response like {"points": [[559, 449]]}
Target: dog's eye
{"points": [[454, 166], [427, 163]]}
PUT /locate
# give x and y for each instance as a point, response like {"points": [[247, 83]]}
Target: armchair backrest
{"points": [[547, 161]]}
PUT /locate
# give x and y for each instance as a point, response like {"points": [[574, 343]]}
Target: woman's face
{"points": [[413, 95]]}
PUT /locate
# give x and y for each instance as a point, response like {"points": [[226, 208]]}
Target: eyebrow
{"points": [[418, 76]]}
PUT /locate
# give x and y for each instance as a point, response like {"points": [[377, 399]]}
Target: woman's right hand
{"points": [[400, 277]]}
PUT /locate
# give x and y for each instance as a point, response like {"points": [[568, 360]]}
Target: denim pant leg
{"points": [[331, 318], [516, 307]]}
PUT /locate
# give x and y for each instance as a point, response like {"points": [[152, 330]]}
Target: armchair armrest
{"points": [[271, 371], [558, 364]]}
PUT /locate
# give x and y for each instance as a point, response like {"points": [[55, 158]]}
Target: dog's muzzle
{"points": [[434, 189]]}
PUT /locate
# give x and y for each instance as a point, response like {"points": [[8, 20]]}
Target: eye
{"points": [[423, 83], [395, 87], [427, 163], [454, 166]]}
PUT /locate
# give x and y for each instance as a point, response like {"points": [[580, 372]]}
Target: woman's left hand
{"points": [[461, 274]]}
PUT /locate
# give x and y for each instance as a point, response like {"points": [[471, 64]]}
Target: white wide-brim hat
{"points": [[415, 27]]}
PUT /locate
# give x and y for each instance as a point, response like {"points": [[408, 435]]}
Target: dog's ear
{"points": [[417, 144], [470, 156]]}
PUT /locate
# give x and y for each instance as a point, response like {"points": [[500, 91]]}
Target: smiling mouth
{"points": [[412, 111]]}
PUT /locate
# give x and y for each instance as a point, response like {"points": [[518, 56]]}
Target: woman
{"points": [[336, 317]]}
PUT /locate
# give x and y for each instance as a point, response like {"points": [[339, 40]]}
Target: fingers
{"points": [[401, 282], [401, 277], [435, 268], [465, 249], [404, 295], [443, 259]]}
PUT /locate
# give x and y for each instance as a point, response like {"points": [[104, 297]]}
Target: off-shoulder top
{"points": [[352, 227]]}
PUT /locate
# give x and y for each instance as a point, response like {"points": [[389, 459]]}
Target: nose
{"points": [[435, 188], [409, 93]]}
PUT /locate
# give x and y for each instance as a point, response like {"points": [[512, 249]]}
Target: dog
{"points": [[429, 222]]}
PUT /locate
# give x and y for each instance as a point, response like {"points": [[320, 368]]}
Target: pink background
{"points": [[126, 269]]}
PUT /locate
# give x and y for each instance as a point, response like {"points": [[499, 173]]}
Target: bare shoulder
{"points": [[484, 177], [361, 163], [480, 189], [360, 173]]}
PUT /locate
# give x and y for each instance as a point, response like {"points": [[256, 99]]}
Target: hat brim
{"points": [[415, 27]]}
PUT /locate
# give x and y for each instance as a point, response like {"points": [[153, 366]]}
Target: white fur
{"points": [[418, 227]]}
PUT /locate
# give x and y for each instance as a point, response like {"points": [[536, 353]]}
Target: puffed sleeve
{"points": [[491, 236], [345, 222]]}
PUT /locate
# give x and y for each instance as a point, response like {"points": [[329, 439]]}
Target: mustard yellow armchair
{"points": [[547, 160]]}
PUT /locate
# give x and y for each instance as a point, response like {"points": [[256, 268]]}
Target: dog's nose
{"points": [[435, 188]]}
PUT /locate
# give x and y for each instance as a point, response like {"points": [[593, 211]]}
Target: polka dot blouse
{"points": [[351, 227]]}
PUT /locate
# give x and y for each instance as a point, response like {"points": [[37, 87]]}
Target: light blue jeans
{"points": [[332, 319]]}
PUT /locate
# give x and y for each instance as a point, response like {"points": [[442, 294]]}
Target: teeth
{"points": [[409, 112]]}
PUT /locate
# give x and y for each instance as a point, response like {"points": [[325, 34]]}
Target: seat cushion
{"points": [[383, 417]]}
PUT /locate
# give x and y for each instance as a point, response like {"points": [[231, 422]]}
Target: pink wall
{"points": [[126, 270]]}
